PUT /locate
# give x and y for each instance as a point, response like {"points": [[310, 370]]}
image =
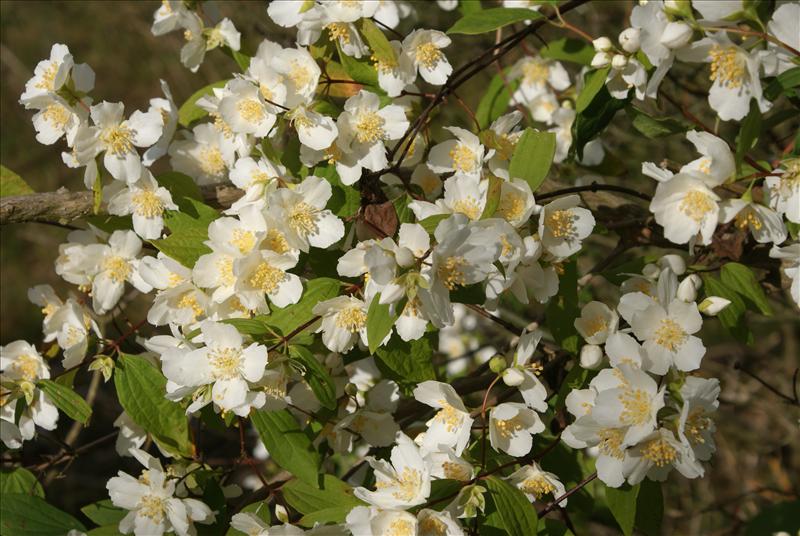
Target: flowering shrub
{"points": [[392, 322]]}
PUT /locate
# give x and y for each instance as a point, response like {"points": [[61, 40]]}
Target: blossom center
{"points": [[428, 55], [299, 74], [276, 241], [56, 115], [512, 206], [243, 240], [153, 507], [147, 204], [535, 72], [560, 223], [431, 525], [406, 485], [595, 325], [211, 161], [48, 80], [250, 110], [468, 207], [225, 270], [26, 367], [352, 319], [456, 471], [302, 218], [451, 272], [463, 158], [189, 301], [508, 427], [369, 127], [339, 30], [660, 452], [748, 218], [117, 267], [118, 139], [636, 407], [696, 205], [670, 335], [267, 277], [537, 486], [611, 442], [401, 527], [225, 362], [450, 416], [728, 67]]}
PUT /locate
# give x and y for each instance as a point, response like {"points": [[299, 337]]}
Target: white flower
{"points": [[423, 47], [371, 520], [765, 224], [199, 39], [445, 464], [668, 335], [463, 194], [451, 426], [596, 322], [716, 165], [257, 178], [393, 77], [21, 367], [168, 17], [264, 272], [49, 75], [225, 364], [784, 190], [245, 109], [622, 349], [734, 73], [517, 203], [464, 155], [302, 215], [150, 500], [314, 130], [538, 76], [713, 305], [655, 456], [146, 201], [563, 225], [252, 525], [77, 258], [178, 301], [791, 268], [536, 483], [117, 137], [531, 388], [530, 278], [56, 118], [344, 320], [433, 523], [783, 26], [403, 483], [117, 263], [297, 67], [364, 127], [169, 113], [716, 10], [626, 75], [74, 326], [696, 428], [131, 436], [511, 428], [591, 357], [686, 207], [205, 154]]}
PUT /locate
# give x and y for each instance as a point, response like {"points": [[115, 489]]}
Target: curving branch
{"points": [[62, 206]]}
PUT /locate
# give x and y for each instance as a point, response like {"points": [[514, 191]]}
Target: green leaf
{"points": [[189, 231], [360, 71], [748, 134], [290, 318], [28, 515], [469, 6], [380, 320], [12, 184], [287, 444], [494, 101], [656, 127], [533, 157], [67, 400], [381, 49], [487, 20], [406, 362], [741, 279], [180, 186], [568, 49], [104, 512], [492, 197], [141, 389], [241, 59], [329, 503], [516, 513], [19, 480], [622, 503], [732, 317], [784, 83], [563, 309], [316, 375], [404, 214], [97, 193], [775, 518], [109, 223], [105, 530], [189, 112], [595, 81], [345, 200], [649, 508], [249, 326], [595, 118], [432, 222]]}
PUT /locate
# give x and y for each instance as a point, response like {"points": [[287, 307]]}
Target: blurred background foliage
{"points": [[757, 465]]}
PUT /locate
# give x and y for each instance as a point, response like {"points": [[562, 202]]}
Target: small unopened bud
{"points": [[350, 389], [105, 365], [619, 62], [678, 7], [404, 257], [602, 44], [675, 263], [281, 513], [601, 59], [629, 40], [713, 305], [687, 291], [498, 364], [651, 271], [591, 357], [696, 280], [513, 377], [676, 35]]}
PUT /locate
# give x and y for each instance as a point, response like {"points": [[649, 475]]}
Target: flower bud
{"points": [[281, 513], [651, 271], [678, 7], [676, 35], [513, 377], [675, 263], [697, 281], [601, 59], [498, 364], [687, 291], [404, 257], [591, 357], [629, 40], [619, 62], [602, 44], [713, 305]]}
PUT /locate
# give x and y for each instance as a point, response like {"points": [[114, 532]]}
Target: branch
{"points": [[62, 206]]}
